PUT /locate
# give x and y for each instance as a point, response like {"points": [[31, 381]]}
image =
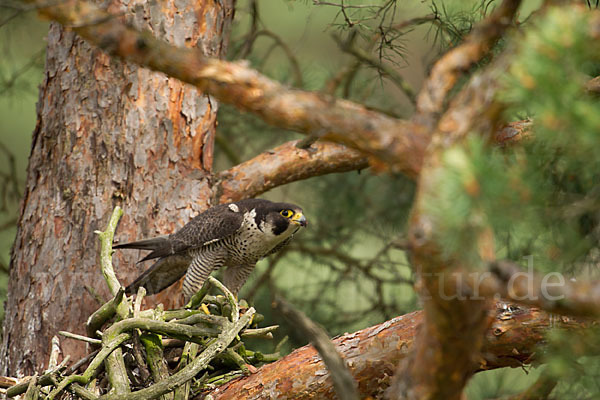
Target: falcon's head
{"points": [[276, 218], [281, 218]]}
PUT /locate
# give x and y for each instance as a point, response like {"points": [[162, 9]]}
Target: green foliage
{"points": [[548, 78], [541, 200]]}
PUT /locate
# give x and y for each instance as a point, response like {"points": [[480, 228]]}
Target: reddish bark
{"points": [[107, 133], [284, 164], [373, 353]]}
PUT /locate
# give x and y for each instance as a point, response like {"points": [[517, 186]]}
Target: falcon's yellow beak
{"points": [[299, 219]]}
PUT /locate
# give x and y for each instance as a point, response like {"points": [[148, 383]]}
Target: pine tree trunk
{"points": [[107, 133]]}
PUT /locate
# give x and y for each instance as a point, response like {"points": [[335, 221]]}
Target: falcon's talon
{"points": [[235, 235], [205, 309]]}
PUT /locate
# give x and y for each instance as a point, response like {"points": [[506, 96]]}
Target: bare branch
{"points": [[284, 164]]}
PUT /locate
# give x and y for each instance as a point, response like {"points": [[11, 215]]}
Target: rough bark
{"points": [[107, 132], [372, 354], [284, 164]]}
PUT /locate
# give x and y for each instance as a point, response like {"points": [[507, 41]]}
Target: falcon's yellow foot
{"points": [[205, 309]]}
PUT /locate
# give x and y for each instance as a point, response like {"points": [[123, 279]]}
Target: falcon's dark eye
{"points": [[286, 213]]}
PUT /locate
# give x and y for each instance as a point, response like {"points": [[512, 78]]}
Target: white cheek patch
{"points": [[233, 207], [249, 217]]}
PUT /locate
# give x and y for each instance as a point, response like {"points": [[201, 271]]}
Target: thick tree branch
{"points": [[395, 142], [450, 341], [454, 63], [372, 355], [552, 292], [284, 164]]}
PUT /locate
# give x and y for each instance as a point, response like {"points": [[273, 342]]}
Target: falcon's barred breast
{"points": [[235, 235]]}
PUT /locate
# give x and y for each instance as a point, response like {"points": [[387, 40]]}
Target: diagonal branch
{"points": [[343, 382], [284, 164], [397, 142]]}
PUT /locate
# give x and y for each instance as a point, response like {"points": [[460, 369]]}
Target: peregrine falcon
{"points": [[235, 235]]}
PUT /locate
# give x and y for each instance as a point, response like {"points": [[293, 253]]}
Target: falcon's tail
{"points": [[160, 246], [160, 275]]}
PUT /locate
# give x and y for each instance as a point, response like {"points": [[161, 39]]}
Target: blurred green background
{"points": [[345, 271]]}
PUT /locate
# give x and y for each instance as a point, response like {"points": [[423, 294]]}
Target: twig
{"points": [[201, 318], [156, 362], [221, 379], [343, 381], [32, 392], [103, 314], [178, 331], [114, 363], [197, 298], [137, 344], [54, 353], [80, 337], [139, 356], [297, 72], [265, 332], [43, 380], [191, 370], [81, 362], [189, 353], [106, 240], [232, 357], [138, 301], [383, 68], [95, 295], [235, 311], [77, 389], [108, 347]]}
